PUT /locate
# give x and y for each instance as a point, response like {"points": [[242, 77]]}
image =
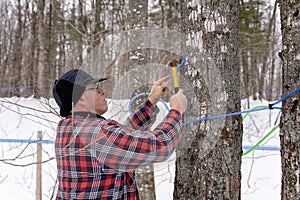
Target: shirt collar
{"points": [[84, 114]]}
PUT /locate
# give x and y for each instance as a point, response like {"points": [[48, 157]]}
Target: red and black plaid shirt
{"points": [[96, 157]]}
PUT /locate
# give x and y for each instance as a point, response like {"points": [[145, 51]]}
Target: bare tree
{"points": [[215, 175], [41, 38], [138, 19], [257, 41], [289, 123], [51, 45], [17, 49]]}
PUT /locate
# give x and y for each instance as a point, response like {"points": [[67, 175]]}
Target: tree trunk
{"points": [[51, 46], [138, 19], [254, 74], [265, 61], [245, 77], [33, 49], [289, 124], [214, 172], [17, 53], [41, 54]]}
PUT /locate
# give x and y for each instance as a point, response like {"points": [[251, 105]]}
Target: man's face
{"points": [[94, 98]]}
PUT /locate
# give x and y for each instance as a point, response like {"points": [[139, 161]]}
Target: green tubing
{"points": [[260, 141], [264, 138], [256, 107]]}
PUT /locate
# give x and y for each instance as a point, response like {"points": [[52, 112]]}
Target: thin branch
{"points": [[27, 107], [29, 114], [27, 164], [1, 181]]}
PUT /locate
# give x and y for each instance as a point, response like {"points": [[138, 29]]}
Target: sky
{"points": [[21, 118]]}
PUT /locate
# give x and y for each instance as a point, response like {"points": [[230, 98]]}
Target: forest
{"points": [[234, 50], [42, 39]]}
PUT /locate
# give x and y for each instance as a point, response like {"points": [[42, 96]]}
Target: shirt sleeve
{"points": [[125, 148], [144, 117]]}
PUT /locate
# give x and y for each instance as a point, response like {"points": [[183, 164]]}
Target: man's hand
{"points": [[178, 101], [159, 89]]}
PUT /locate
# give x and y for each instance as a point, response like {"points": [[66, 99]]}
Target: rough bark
{"points": [[289, 124], [217, 174]]}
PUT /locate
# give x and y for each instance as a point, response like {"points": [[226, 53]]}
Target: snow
{"points": [[21, 118]]}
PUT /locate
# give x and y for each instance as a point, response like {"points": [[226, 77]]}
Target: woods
{"points": [[41, 39], [235, 50]]}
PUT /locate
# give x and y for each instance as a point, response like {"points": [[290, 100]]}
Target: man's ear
{"points": [[82, 97], [81, 101]]}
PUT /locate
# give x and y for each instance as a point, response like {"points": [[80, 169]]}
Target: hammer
{"points": [[173, 64]]}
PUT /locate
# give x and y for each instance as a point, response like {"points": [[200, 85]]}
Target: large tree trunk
{"points": [[289, 124], [205, 171]]}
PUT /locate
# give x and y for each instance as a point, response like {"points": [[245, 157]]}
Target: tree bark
{"points": [[215, 175], [51, 46], [289, 123], [41, 54]]}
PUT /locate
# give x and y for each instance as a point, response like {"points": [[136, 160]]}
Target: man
{"points": [[96, 157]]}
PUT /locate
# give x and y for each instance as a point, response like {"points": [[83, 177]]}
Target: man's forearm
{"points": [[143, 117]]}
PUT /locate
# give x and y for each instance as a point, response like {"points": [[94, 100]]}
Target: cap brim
{"points": [[97, 80]]}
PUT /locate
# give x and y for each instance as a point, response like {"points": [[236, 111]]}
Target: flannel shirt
{"points": [[96, 157]]}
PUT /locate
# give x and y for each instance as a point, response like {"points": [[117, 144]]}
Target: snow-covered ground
{"points": [[21, 118]]}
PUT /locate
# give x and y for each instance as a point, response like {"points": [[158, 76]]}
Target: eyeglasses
{"points": [[98, 87]]}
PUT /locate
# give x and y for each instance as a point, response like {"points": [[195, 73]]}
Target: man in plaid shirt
{"points": [[96, 157]]}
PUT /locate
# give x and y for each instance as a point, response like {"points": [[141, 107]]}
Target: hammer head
{"points": [[174, 62]]}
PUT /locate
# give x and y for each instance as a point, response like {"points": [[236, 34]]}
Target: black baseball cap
{"points": [[69, 88]]}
